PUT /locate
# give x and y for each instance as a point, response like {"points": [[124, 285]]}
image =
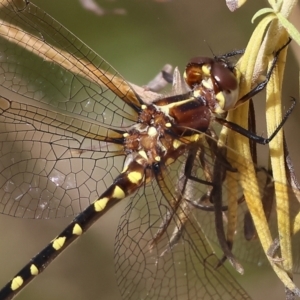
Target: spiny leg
{"points": [[252, 136]]}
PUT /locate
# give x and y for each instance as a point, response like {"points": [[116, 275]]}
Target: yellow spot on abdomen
{"points": [[16, 283], [77, 230], [135, 177], [58, 243], [100, 204], [118, 193], [34, 270]]}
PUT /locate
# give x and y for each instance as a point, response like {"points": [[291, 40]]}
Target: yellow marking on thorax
{"points": [[126, 134], [152, 131], [208, 84], [197, 93], [118, 193], [143, 106], [135, 177], [157, 158], [194, 138], [176, 144], [100, 204], [58, 243], [77, 230], [16, 283], [143, 154], [34, 270], [166, 108]]}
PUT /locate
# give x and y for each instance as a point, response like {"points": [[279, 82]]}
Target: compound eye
{"points": [[224, 77]]}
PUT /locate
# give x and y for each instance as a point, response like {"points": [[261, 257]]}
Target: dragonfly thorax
{"points": [[150, 135]]}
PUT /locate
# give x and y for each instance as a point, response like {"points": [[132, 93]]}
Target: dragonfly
{"points": [[77, 139]]}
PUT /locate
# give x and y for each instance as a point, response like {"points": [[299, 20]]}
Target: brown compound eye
{"points": [[224, 77]]}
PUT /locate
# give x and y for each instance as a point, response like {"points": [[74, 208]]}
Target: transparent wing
{"points": [[59, 104], [246, 245], [47, 171], [161, 246], [44, 62], [154, 260]]}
